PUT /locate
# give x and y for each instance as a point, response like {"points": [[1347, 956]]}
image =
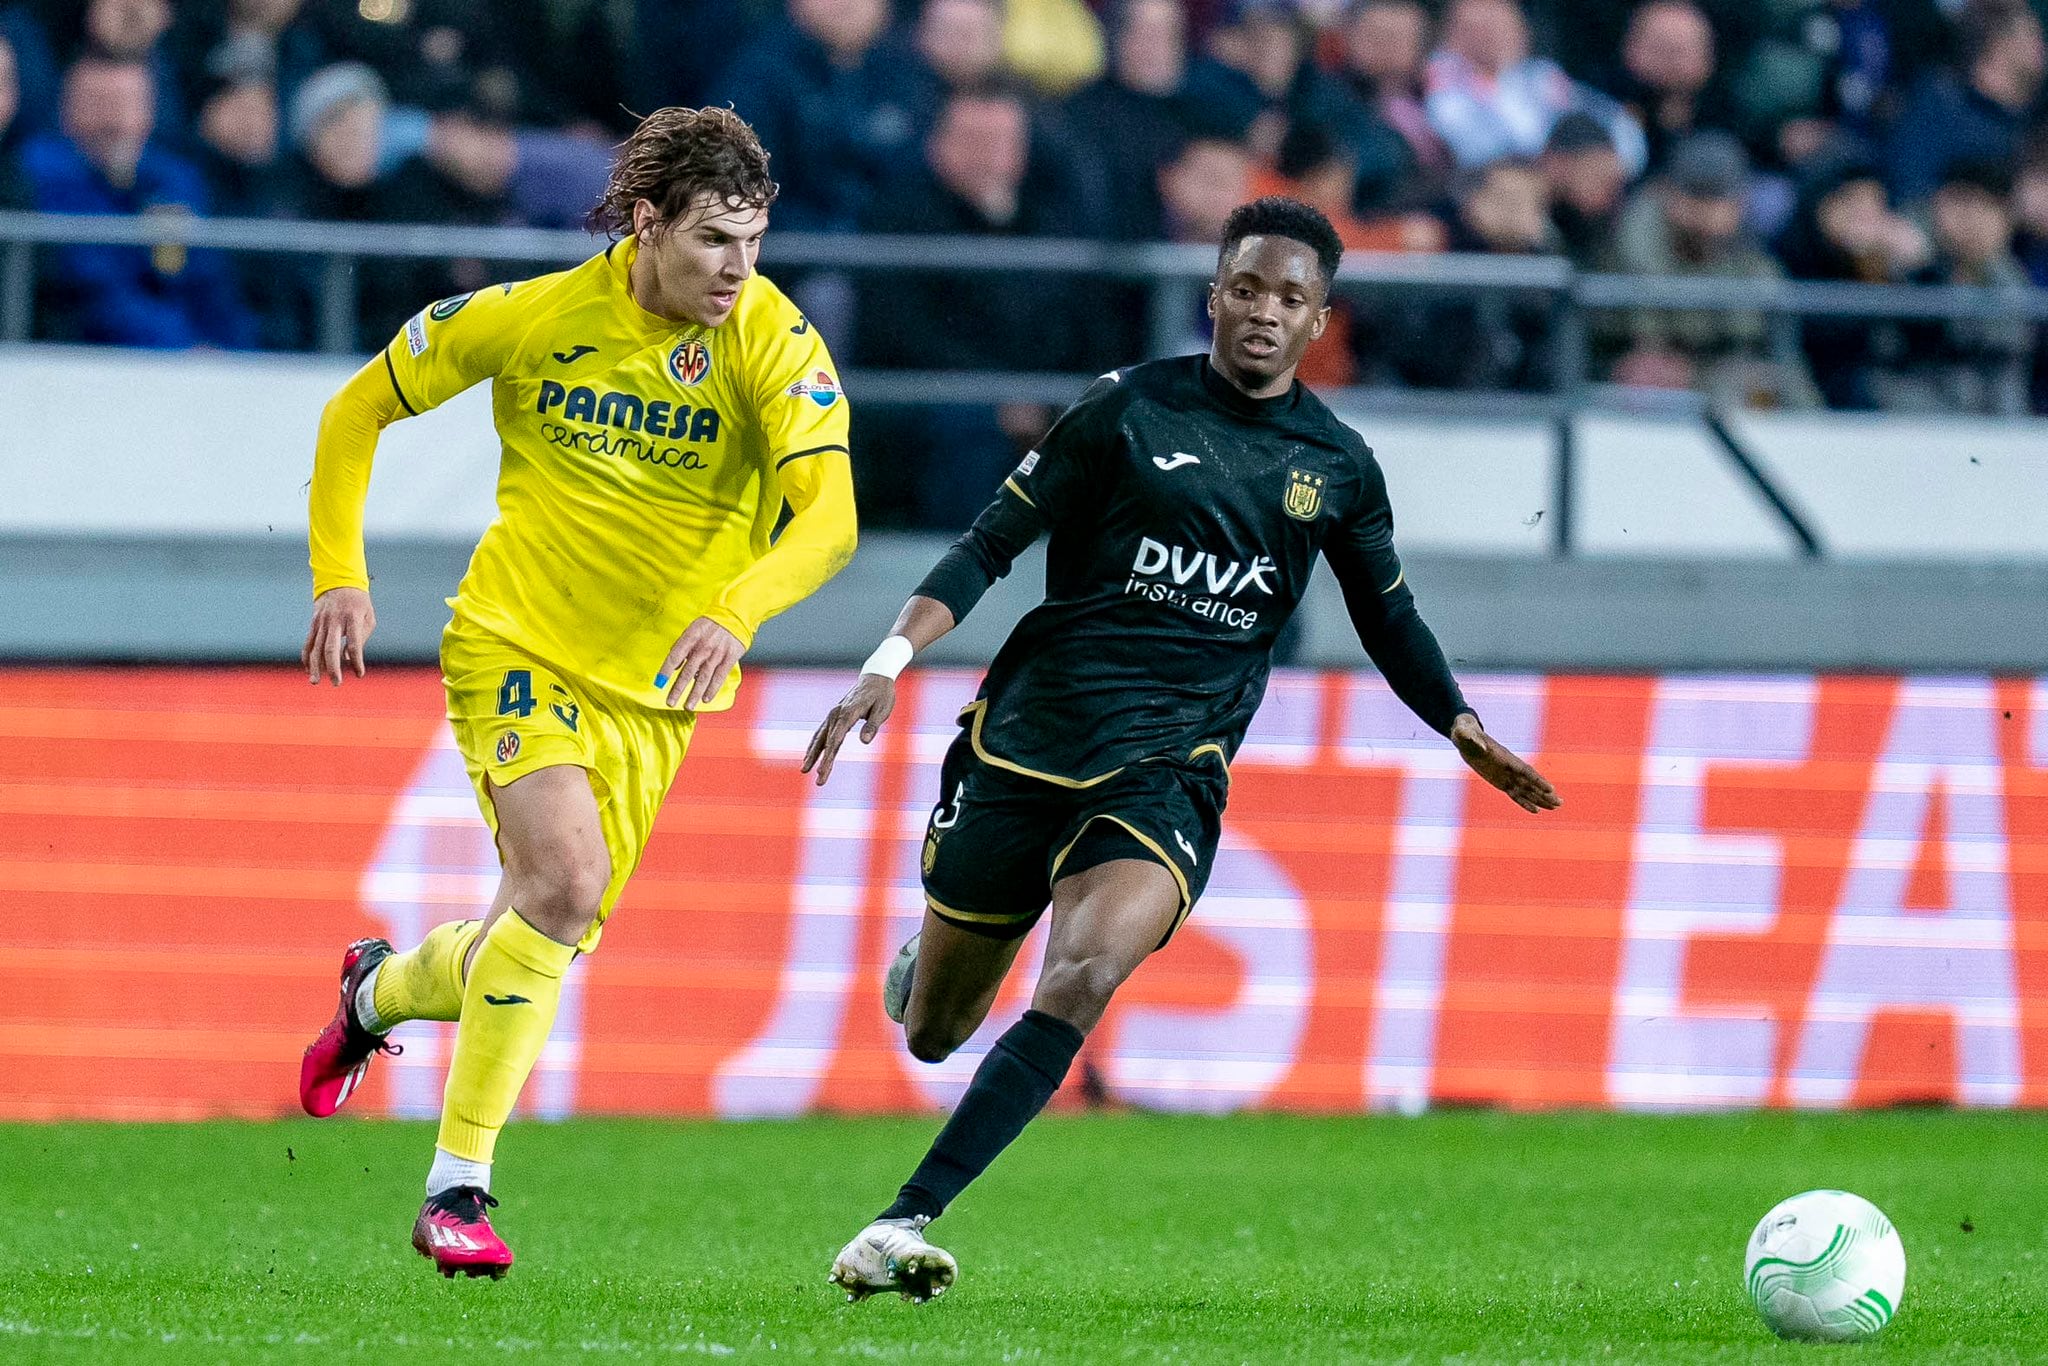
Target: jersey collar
{"points": [[1236, 400]]}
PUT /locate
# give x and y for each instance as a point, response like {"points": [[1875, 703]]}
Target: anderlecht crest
{"points": [[690, 362], [1304, 494]]}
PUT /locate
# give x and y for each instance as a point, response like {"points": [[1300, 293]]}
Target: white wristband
{"points": [[889, 657]]}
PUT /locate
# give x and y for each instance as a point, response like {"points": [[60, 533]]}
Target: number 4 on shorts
{"points": [[515, 694]]}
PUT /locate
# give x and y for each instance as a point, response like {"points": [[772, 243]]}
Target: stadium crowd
{"points": [[1875, 140]]}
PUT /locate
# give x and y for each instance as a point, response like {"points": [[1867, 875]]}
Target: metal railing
{"points": [[1173, 273]]}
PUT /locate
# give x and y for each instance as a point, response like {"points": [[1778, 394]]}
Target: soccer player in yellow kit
{"points": [[658, 405]]}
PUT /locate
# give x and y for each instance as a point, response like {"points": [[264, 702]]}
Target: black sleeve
{"points": [[983, 554], [1049, 486], [1383, 610]]}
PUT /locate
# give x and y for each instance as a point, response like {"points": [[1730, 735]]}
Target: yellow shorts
{"points": [[513, 714]]}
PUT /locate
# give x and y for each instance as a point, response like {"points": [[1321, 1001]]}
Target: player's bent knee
{"points": [[930, 1044], [1080, 988], [560, 897]]}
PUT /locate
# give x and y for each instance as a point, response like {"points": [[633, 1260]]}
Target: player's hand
{"points": [[342, 622], [1499, 765], [868, 704], [699, 663]]}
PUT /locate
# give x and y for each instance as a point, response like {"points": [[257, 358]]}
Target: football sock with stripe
{"points": [[1013, 1083], [508, 1007], [423, 983]]}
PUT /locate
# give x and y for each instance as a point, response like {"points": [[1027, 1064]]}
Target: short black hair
{"points": [[1278, 216]]}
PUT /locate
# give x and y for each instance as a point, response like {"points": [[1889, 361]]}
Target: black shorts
{"points": [[999, 839]]}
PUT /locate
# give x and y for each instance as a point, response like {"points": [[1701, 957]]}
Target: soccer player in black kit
{"points": [[1186, 501]]}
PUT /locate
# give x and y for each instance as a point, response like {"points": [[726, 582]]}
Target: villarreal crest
{"points": [[1304, 494], [690, 362]]}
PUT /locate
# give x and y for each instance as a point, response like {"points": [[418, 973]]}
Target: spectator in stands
{"points": [[1969, 365], [1688, 222], [244, 37], [1385, 46], [1587, 188], [1055, 45], [13, 188], [104, 162], [1258, 76], [1667, 71], [1318, 169], [1133, 120], [36, 74], [362, 160], [1844, 229], [1199, 188], [1977, 113], [961, 44], [972, 185], [1819, 68], [1240, 87], [1495, 341], [834, 99], [2030, 248], [961, 41], [1489, 98], [240, 150], [440, 55], [1197, 191], [134, 30], [240, 133]]}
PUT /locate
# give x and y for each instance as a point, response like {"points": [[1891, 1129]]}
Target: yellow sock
{"points": [[425, 983], [508, 1007]]}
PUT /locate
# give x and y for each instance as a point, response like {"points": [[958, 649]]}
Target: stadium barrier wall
{"points": [[222, 446], [1791, 890]]}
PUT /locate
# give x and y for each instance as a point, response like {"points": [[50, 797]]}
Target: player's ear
{"points": [[1210, 301], [644, 217], [1322, 320]]}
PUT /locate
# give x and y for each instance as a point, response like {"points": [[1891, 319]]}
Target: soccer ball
{"points": [[1826, 1266]]}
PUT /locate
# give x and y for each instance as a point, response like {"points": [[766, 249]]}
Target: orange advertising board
{"points": [[1785, 890]]}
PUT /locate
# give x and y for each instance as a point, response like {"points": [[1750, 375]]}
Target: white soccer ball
{"points": [[1826, 1266]]}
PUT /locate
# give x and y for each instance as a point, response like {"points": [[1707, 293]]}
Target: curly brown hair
{"points": [[675, 157]]}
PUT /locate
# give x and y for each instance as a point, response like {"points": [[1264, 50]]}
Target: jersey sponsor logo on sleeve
{"points": [[448, 308], [416, 334], [1304, 497], [690, 362], [820, 389], [1029, 464]]}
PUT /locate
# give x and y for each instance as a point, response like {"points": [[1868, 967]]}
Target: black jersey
{"points": [[1185, 520]]}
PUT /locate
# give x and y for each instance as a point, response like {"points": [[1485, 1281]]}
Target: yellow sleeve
{"points": [[815, 544], [442, 350], [803, 414]]}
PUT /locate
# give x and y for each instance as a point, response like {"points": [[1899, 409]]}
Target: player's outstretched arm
{"points": [[983, 554], [342, 455], [873, 696]]}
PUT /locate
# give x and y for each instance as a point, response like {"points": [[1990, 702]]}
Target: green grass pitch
{"points": [[1461, 1237]]}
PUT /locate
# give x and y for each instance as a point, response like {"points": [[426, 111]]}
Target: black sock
{"points": [[1013, 1083]]}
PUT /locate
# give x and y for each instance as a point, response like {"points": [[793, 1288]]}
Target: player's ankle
{"points": [[366, 1002], [450, 1171]]}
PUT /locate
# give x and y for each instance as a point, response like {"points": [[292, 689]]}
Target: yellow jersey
{"points": [[646, 463]]}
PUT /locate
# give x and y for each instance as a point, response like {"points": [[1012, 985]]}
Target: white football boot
{"points": [[896, 986], [892, 1254]]}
